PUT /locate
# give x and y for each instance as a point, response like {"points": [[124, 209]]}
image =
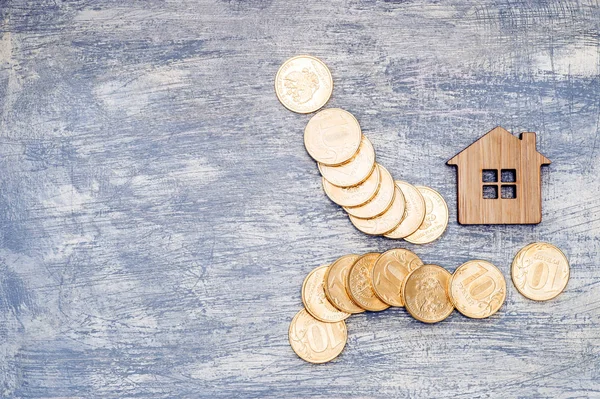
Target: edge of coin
{"points": [[304, 301], [391, 233], [446, 222], [326, 277], [389, 205], [405, 277], [350, 292], [354, 219], [325, 182], [321, 166]]}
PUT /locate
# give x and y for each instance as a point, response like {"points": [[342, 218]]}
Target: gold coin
{"points": [[353, 196], [353, 172], [336, 280], [382, 200], [426, 294], [314, 340], [315, 301], [386, 222], [332, 136], [360, 285], [477, 289], [414, 214], [436, 218], [389, 273], [540, 271], [303, 84]]}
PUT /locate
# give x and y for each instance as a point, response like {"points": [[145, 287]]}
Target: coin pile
{"points": [[374, 282], [374, 201]]}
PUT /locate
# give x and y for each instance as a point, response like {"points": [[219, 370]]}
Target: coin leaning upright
{"points": [[540, 271], [385, 222], [354, 171], [314, 298], [336, 284], [353, 196], [360, 285], [332, 136], [390, 271], [477, 289], [436, 218], [303, 84], [414, 214], [316, 341], [379, 203]]}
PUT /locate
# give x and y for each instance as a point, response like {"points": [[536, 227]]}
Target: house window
{"points": [[508, 175], [490, 192], [489, 176], [494, 189], [509, 191]]}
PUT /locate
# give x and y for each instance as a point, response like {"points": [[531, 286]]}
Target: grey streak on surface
{"points": [[158, 210]]}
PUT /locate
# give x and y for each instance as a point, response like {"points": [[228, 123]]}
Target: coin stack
{"points": [[374, 282], [375, 203]]}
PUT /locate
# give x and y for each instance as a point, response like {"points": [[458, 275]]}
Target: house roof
{"points": [[505, 134]]}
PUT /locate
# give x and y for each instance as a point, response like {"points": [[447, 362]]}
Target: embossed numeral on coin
{"points": [[391, 274], [338, 283], [332, 127], [540, 271], [481, 293], [540, 276], [320, 338], [484, 287], [314, 340]]}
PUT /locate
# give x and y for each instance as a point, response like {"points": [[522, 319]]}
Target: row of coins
{"points": [[374, 282], [375, 203]]}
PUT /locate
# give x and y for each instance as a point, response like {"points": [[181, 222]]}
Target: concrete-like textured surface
{"points": [[158, 211]]}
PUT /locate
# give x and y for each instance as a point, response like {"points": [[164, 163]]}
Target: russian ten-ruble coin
{"points": [[353, 172], [303, 84], [390, 271], [360, 285], [336, 284], [332, 136], [315, 300], [540, 271], [356, 195], [316, 341], [382, 200], [385, 222], [426, 294], [477, 289], [414, 214], [436, 218]]}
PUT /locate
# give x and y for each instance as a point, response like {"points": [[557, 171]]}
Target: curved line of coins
{"points": [[375, 203], [355, 283]]}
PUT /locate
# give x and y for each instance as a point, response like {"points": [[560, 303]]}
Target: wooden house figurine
{"points": [[499, 179]]}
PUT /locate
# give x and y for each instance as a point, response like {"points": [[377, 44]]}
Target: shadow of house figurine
{"points": [[499, 180]]}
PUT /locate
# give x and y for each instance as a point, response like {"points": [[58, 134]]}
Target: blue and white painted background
{"points": [[158, 211]]}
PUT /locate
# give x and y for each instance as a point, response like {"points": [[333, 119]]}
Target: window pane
{"points": [[509, 191], [490, 192], [509, 175], [489, 176]]}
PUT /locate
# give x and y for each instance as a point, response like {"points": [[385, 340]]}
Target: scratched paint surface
{"points": [[158, 211]]}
